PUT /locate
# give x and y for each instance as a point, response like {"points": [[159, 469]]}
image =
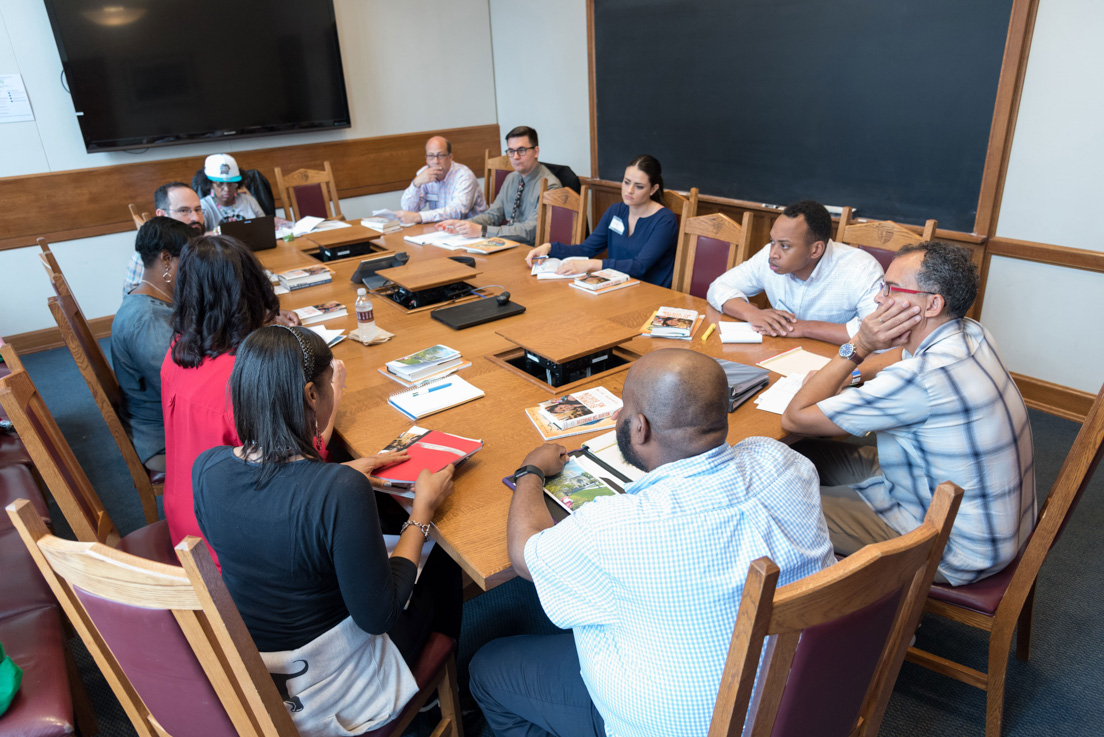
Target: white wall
{"points": [[540, 70], [1047, 319], [388, 54]]}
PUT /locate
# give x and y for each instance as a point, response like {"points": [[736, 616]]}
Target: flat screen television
{"points": [[155, 73]]}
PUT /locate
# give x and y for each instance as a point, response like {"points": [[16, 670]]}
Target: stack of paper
{"points": [[778, 397], [738, 332]]}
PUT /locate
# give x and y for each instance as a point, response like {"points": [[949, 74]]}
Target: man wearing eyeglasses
{"points": [[443, 189], [817, 288], [943, 408], [227, 203], [514, 212], [174, 200]]}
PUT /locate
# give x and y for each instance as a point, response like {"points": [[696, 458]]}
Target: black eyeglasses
{"points": [[519, 151], [437, 156]]}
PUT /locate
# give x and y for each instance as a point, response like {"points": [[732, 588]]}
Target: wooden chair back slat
{"points": [[694, 278], [683, 206], [139, 218], [562, 215], [309, 192], [495, 171]]}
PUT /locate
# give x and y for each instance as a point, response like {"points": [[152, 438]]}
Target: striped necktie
{"points": [[517, 200]]}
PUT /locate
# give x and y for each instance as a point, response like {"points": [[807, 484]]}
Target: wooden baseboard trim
{"points": [[1055, 399], [44, 340]]}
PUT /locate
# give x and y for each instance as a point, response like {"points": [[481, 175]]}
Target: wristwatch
{"points": [[529, 469], [847, 350], [483, 231]]}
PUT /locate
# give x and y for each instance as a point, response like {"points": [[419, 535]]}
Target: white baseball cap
{"points": [[221, 168]]}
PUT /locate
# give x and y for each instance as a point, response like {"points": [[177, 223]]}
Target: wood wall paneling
{"points": [[81, 203]]}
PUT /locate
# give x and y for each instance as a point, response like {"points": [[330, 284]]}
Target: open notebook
{"points": [[434, 396]]}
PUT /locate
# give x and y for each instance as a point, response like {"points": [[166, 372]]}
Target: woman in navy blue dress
{"points": [[639, 233]]}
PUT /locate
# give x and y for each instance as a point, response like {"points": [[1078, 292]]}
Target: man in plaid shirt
{"points": [[443, 189]]}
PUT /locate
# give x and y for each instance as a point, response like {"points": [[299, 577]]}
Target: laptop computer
{"points": [[259, 233]]}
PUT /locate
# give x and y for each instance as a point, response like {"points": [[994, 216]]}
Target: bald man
{"points": [[442, 190], [649, 580]]}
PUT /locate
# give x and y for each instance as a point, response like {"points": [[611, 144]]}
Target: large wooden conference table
{"points": [[471, 525]]}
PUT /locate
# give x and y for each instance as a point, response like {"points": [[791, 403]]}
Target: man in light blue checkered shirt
{"points": [[649, 581], [944, 408]]}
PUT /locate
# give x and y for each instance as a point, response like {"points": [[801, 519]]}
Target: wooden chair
{"points": [[309, 192], [66, 480], [838, 637], [562, 215], [139, 218], [880, 238], [495, 171], [175, 650], [708, 246], [684, 206], [1003, 603], [101, 381]]}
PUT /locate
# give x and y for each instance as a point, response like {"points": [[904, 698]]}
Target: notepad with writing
{"points": [[435, 396]]}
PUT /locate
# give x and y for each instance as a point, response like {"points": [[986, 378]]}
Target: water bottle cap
{"points": [[362, 291]]}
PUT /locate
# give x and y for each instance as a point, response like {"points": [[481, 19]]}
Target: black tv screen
{"points": [[154, 73]]}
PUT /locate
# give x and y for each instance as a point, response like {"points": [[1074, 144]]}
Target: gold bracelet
{"points": [[419, 525]]}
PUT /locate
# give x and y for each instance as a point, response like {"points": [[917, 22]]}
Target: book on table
{"points": [[546, 268], [434, 396], [442, 239], [308, 276], [320, 313], [579, 408], [548, 431], [429, 450], [672, 322], [425, 362], [606, 289], [436, 375], [384, 221], [332, 337], [601, 279], [489, 245]]}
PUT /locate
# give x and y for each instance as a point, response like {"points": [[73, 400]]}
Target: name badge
{"points": [[617, 226], [430, 197]]}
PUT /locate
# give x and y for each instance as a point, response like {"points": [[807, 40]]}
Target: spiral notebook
{"points": [[434, 396]]}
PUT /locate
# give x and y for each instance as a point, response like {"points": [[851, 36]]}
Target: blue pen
{"points": [[432, 389]]}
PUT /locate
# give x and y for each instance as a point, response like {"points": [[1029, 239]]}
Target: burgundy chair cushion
{"points": [[435, 653], [563, 220], [22, 587], [710, 261], [151, 542], [982, 596], [311, 201], [156, 657], [16, 482], [832, 670], [881, 255], [43, 707], [499, 179], [12, 451]]}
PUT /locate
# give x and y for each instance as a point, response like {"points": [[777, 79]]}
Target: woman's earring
{"points": [[167, 276], [318, 442]]}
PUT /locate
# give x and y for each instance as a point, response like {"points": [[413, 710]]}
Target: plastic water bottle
{"points": [[366, 319]]}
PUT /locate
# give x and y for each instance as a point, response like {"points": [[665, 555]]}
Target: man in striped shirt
{"points": [[443, 189], [943, 408]]}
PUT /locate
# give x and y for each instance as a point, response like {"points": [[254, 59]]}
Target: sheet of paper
{"points": [[15, 106], [776, 398], [794, 361], [306, 225], [738, 332], [327, 335]]}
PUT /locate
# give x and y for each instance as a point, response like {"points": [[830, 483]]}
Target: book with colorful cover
{"points": [[308, 276], [489, 245], [605, 290], [429, 450], [584, 478], [548, 431], [672, 322], [600, 279], [424, 363], [448, 371], [320, 313], [579, 407]]}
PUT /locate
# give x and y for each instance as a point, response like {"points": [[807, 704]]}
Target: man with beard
{"points": [[174, 200], [649, 580]]}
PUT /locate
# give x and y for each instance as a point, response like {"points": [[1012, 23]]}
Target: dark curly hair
{"points": [[222, 295], [816, 218], [948, 271]]}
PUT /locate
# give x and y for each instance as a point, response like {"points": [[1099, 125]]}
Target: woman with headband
{"points": [[302, 550]]}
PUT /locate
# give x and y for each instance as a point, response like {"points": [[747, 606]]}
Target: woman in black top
{"points": [[301, 545]]}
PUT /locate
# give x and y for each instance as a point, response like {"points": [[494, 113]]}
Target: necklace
{"points": [[157, 289]]}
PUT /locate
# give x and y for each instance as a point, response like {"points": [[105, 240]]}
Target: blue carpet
{"points": [[1056, 692]]}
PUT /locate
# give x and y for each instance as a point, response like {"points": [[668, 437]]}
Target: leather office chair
{"points": [[708, 246], [175, 650], [495, 171], [880, 238], [839, 637], [139, 218], [253, 181], [66, 479], [567, 177], [1003, 603], [101, 381], [562, 215], [309, 192]]}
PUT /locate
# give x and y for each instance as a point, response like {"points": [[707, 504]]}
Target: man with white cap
{"points": [[226, 203]]}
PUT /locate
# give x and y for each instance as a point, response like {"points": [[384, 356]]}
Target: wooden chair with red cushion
{"points": [[495, 171], [101, 381], [1003, 603], [562, 215], [838, 637], [309, 192], [174, 648], [880, 238], [708, 246]]}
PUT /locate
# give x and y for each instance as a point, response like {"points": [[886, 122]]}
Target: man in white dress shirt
{"points": [[443, 189], [817, 288]]}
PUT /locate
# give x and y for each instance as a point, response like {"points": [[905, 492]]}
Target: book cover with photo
{"points": [[319, 313], [672, 322], [601, 279], [580, 407], [574, 487]]}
